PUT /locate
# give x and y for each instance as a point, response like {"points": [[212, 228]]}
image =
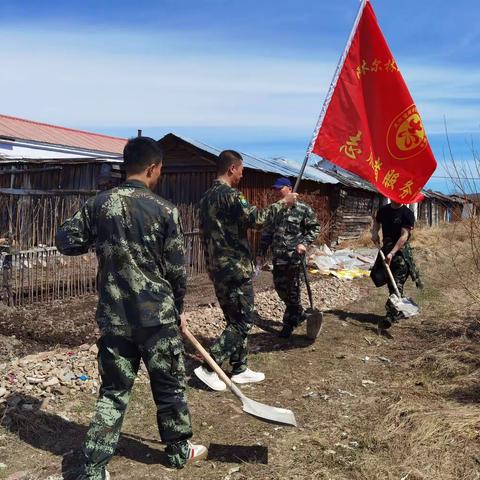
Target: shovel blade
{"points": [[314, 322], [405, 305], [268, 413]]}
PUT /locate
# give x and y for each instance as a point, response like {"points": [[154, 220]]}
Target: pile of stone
{"points": [[52, 373], [327, 293]]}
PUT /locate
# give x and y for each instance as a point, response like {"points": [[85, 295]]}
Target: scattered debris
{"points": [[231, 472], [342, 445], [345, 392], [384, 359]]}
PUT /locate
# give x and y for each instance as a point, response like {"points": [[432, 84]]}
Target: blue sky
{"points": [[238, 74]]}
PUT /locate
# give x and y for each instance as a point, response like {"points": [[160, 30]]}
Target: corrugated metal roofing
{"points": [[281, 166], [346, 178], [21, 129], [441, 196]]}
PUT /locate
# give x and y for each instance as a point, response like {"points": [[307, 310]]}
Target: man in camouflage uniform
{"points": [[225, 217], [141, 285], [397, 222], [289, 232]]}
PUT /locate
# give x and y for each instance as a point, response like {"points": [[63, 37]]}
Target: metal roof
{"points": [[442, 197], [280, 166], [13, 128], [344, 177]]}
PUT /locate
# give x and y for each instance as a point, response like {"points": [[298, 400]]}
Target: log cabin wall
{"points": [[353, 212]]}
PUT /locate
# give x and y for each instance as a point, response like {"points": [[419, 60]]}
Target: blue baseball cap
{"points": [[282, 182]]}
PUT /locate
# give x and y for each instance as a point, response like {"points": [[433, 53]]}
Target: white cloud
{"points": [[117, 79]]}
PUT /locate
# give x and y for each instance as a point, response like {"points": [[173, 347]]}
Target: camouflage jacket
{"points": [[287, 229], [139, 244], [225, 217]]}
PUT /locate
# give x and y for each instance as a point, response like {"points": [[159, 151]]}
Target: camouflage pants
{"points": [[400, 272], [286, 279], [237, 303], [119, 356]]}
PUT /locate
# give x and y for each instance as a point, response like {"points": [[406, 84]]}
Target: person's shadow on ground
{"points": [[362, 317], [22, 415]]}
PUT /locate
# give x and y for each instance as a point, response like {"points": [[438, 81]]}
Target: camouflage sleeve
{"points": [[311, 227], [251, 216], [267, 236], [76, 236], [174, 255]]}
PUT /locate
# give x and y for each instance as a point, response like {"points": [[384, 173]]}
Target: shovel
{"points": [[257, 409], [314, 316], [403, 304]]}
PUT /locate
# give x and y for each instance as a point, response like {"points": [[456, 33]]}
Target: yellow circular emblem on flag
{"points": [[406, 136]]}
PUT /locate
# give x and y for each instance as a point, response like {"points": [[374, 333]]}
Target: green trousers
{"points": [[161, 349]]}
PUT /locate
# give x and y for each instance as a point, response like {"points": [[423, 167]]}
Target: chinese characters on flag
{"points": [[371, 126]]}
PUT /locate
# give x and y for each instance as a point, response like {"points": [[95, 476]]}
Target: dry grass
{"points": [[448, 364], [435, 238], [441, 236], [365, 240], [431, 439]]}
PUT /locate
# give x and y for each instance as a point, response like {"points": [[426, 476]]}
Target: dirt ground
{"points": [[35, 328], [368, 407]]}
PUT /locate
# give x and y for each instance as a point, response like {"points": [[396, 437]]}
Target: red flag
{"points": [[371, 125]]}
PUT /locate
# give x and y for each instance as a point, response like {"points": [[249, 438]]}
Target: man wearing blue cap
{"points": [[289, 232]]}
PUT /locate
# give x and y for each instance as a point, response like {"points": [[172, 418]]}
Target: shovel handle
{"points": [[307, 282], [389, 272], [206, 356]]}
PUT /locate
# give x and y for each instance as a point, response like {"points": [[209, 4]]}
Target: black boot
{"points": [[286, 331], [384, 323]]}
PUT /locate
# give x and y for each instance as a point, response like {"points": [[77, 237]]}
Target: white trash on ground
{"points": [[344, 264]]}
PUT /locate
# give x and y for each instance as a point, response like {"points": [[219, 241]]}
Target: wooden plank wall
{"points": [[353, 214]]}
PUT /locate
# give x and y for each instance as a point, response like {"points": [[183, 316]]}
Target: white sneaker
{"points": [[248, 376], [196, 452], [210, 379]]}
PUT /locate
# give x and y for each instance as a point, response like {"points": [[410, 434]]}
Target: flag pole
{"points": [[330, 92]]}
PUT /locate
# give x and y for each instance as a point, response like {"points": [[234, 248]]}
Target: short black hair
{"points": [[139, 153], [226, 159]]}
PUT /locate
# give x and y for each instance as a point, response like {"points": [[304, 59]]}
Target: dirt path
{"points": [[368, 407]]}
